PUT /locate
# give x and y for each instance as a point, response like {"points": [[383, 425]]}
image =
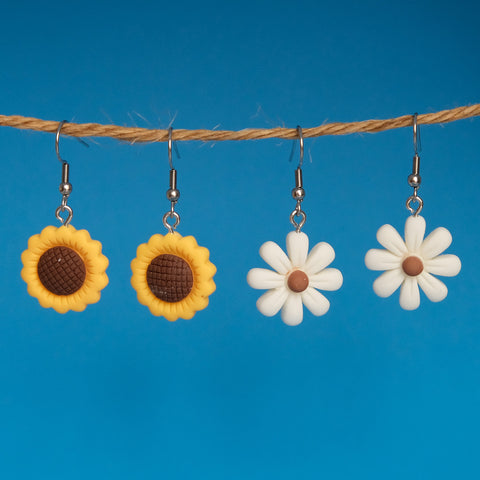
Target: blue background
{"points": [[368, 390]]}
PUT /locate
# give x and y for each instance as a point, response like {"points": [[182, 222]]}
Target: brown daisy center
{"points": [[412, 266], [297, 281], [61, 270], [170, 278]]}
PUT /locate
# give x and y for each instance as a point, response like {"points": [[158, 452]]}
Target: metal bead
{"points": [[414, 180], [173, 194], [65, 188], [298, 193]]}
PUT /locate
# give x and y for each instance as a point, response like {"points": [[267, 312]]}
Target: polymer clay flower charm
{"points": [[295, 279], [64, 268], [412, 262], [173, 276]]}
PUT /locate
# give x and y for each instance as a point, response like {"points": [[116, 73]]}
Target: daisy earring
{"points": [[63, 267], [171, 274], [414, 262], [295, 278]]}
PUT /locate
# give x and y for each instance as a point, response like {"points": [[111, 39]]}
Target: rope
{"points": [[134, 134]]}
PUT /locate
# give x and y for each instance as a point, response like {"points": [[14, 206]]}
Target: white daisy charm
{"points": [[295, 278], [412, 262]]}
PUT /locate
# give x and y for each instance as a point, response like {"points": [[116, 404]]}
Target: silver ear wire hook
{"points": [[171, 144], [414, 179], [65, 186], [298, 193], [57, 140], [417, 144], [300, 137], [170, 131], [173, 194]]}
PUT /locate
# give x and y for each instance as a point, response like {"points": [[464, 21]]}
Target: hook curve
{"points": [[417, 145], [170, 142], [57, 141], [172, 145], [300, 137]]}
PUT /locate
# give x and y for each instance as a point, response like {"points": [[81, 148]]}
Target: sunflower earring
{"points": [[63, 267], [172, 275], [412, 262], [296, 277]]}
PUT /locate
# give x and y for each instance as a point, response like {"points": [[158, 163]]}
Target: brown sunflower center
{"points": [[170, 278], [61, 270], [297, 281], [412, 266]]}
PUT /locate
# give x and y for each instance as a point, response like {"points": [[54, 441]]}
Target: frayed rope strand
{"points": [[136, 135]]}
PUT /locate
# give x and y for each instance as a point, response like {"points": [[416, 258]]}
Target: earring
{"points": [[412, 262], [63, 267], [172, 275], [296, 277]]}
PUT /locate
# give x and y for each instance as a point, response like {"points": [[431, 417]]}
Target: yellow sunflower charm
{"points": [[64, 268], [173, 276]]}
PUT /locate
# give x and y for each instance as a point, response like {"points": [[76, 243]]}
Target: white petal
{"points": [[376, 259], [321, 256], [446, 265], [409, 294], [315, 302], [292, 311], [438, 241], [272, 301], [328, 279], [388, 282], [389, 238], [264, 279], [275, 257], [297, 248], [414, 232], [433, 288]]}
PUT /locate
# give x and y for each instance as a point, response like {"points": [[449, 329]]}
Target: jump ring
{"points": [[62, 208], [168, 215], [298, 225], [417, 199]]}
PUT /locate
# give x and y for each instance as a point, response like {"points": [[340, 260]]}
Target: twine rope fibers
{"points": [[135, 134]]}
